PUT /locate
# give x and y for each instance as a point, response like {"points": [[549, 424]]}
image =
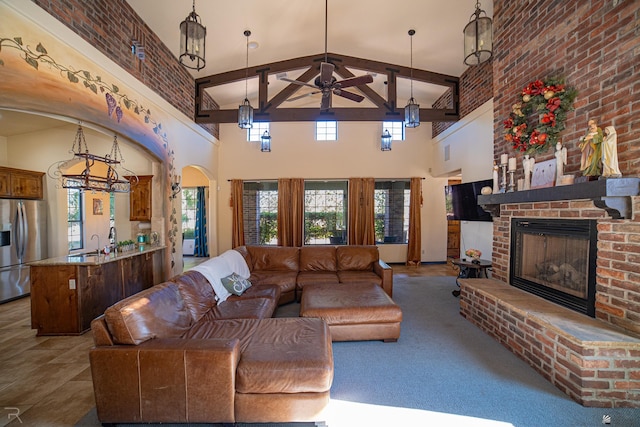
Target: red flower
{"points": [[549, 118], [553, 104], [508, 137], [508, 124]]}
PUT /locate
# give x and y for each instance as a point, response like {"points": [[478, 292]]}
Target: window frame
{"points": [[188, 232], [396, 129], [327, 235], [261, 225], [254, 133], [79, 222], [386, 224], [322, 130]]}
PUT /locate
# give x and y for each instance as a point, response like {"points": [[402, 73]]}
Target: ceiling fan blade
{"points": [[296, 82], [352, 96], [326, 72], [325, 104], [295, 98], [356, 81]]}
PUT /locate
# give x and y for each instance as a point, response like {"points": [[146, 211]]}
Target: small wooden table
{"points": [[470, 269]]}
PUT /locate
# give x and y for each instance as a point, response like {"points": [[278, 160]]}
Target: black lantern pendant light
{"points": [[265, 142], [385, 141], [192, 41], [412, 110], [478, 38], [245, 111]]}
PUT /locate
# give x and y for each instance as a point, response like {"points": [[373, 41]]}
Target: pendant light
{"points": [[412, 110], [192, 41], [478, 38], [385, 141], [245, 111], [265, 142]]}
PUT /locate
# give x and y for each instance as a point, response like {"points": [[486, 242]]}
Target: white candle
{"points": [[512, 164], [503, 159]]}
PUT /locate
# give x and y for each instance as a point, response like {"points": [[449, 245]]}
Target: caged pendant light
{"points": [[385, 141], [245, 111], [192, 41], [412, 110], [478, 38], [265, 142]]}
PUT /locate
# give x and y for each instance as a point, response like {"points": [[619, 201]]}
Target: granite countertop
{"points": [[91, 258]]}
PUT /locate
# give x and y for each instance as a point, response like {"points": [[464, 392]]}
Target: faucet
{"points": [[113, 239], [97, 250]]}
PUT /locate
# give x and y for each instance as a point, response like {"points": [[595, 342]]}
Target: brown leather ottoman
{"points": [[354, 312]]}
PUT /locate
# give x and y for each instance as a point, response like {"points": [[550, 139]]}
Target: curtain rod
{"points": [[326, 179]]}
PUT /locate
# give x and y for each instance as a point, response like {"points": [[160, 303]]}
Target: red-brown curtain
{"points": [[361, 212], [237, 233], [414, 247], [290, 211]]}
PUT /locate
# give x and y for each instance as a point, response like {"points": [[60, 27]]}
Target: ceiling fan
{"points": [[326, 83]]}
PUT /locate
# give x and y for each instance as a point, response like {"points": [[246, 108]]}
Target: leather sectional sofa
{"points": [[173, 353], [293, 268]]}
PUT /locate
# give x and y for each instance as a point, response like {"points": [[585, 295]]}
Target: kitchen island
{"points": [[68, 292]]}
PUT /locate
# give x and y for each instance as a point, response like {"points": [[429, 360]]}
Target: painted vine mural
{"points": [[116, 102]]}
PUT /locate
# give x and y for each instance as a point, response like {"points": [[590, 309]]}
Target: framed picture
{"points": [[97, 206], [544, 174]]}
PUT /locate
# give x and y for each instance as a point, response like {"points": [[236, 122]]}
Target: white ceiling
{"points": [[286, 29]]}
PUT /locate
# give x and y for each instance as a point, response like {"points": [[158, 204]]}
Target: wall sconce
{"points": [[265, 142], [385, 141], [478, 38], [192, 41], [175, 187]]}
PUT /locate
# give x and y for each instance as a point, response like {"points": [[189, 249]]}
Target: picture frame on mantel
{"points": [[544, 174]]}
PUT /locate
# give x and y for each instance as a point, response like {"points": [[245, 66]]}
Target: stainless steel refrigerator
{"points": [[23, 239]]}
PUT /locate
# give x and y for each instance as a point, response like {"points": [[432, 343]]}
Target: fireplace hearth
{"points": [[555, 259]]}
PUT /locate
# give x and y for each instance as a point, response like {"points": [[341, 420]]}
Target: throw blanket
{"points": [[237, 263], [213, 270]]}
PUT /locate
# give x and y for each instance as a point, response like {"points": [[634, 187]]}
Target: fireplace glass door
{"points": [[555, 259]]}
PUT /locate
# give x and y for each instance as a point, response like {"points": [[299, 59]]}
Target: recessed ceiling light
{"points": [[253, 45]]}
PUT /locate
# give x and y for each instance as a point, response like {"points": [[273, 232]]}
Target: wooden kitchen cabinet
{"points": [[140, 198], [20, 183], [67, 296]]}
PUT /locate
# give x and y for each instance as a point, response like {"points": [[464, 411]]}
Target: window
{"points": [[260, 212], [112, 210], [326, 131], [391, 206], [396, 129], [74, 219], [189, 206], [325, 212], [254, 133]]}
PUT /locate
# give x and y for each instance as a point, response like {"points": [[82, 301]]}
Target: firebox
{"points": [[556, 260]]}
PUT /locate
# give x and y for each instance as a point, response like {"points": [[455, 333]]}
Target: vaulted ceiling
{"points": [[284, 30]]}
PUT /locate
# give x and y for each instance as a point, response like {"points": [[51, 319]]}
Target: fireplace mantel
{"points": [[612, 194]]}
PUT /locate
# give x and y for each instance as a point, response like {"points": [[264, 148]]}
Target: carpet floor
{"points": [[442, 371]]}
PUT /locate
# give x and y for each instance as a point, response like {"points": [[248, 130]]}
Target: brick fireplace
{"points": [[595, 361]]}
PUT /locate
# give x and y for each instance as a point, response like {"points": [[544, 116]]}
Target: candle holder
{"points": [[512, 184], [503, 184]]}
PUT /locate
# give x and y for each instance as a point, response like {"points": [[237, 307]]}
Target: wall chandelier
{"points": [[90, 178]]}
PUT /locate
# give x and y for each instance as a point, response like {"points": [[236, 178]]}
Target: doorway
{"points": [[194, 216], [453, 232]]}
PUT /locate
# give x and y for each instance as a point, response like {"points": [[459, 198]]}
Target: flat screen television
{"points": [[462, 201]]}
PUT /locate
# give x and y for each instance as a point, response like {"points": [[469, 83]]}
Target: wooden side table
{"points": [[470, 269]]}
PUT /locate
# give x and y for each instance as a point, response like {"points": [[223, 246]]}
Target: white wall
{"points": [[356, 153], [470, 146]]}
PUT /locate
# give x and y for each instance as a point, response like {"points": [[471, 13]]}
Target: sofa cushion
{"points": [[313, 277], [287, 355], [251, 308], [318, 258], [196, 292], [241, 329], [259, 291], [274, 258], [286, 280], [357, 257], [157, 312], [359, 276], [235, 284]]}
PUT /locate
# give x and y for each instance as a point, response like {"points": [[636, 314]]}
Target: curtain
{"points": [[361, 211], [200, 247], [290, 211], [237, 228], [414, 247]]}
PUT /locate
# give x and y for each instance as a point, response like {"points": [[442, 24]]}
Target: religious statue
{"points": [[591, 147], [610, 153], [561, 161], [527, 164]]}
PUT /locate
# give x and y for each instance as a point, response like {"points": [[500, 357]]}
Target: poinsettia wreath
{"points": [[546, 102]]}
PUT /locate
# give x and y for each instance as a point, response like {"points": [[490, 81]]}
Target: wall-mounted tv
{"points": [[461, 201]]}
